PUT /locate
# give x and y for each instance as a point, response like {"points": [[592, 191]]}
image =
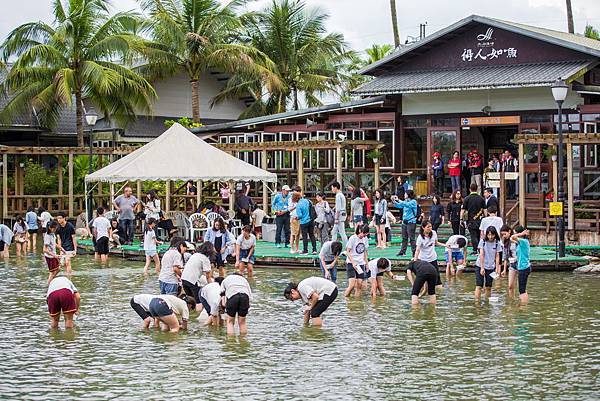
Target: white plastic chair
{"points": [[198, 223], [212, 216]]}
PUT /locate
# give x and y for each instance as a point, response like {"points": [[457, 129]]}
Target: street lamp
{"points": [[559, 91], [90, 118]]}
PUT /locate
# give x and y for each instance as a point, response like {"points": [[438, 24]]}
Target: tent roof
{"points": [[178, 154]]}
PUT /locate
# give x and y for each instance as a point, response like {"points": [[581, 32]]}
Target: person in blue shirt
{"points": [[409, 220], [279, 206], [307, 225], [521, 238], [31, 219]]}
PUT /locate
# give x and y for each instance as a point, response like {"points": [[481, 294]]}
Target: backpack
{"points": [[329, 217], [311, 211]]}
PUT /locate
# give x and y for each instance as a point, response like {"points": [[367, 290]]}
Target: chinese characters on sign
{"points": [[488, 54], [485, 49]]}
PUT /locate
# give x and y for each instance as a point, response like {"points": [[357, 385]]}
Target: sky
{"points": [[366, 22]]}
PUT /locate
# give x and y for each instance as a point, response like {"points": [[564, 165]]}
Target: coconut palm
{"points": [[395, 23], [570, 23], [304, 58], [591, 32], [377, 52], [81, 56]]}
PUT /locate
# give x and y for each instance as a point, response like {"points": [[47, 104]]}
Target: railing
{"points": [[18, 204], [541, 216]]}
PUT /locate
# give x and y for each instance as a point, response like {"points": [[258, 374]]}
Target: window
{"points": [[416, 122], [351, 124], [590, 152], [222, 139], [322, 158], [415, 148], [445, 122], [285, 158], [307, 154], [368, 124], [386, 136], [269, 137], [386, 124]]}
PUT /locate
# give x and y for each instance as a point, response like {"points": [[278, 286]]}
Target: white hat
{"points": [[285, 188], [189, 245]]}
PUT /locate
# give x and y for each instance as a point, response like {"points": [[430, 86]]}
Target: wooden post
{"points": [[265, 188], [100, 165], [4, 186], [139, 189], [502, 195], [231, 185], [199, 185], [300, 163], [570, 195], [338, 164], [376, 166], [71, 199], [555, 180], [522, 184], [112, 195], [167, 195], [61, 203]]}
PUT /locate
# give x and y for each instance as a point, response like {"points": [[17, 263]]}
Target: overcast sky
{"points": [[364, 22]]}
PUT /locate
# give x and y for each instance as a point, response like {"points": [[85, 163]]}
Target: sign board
{"points": [[497, 120], [556, 208], [488, 50], [507, 176], [493, 183]]}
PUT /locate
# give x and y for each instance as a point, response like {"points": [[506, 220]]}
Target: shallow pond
{"points": [[460, 349]]}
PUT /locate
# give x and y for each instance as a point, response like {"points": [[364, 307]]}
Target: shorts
{"points": [[379, 219], [352, 273], [159, 308], [258, 230], [358, 219], [295, 227], [62, 300], [32, 231], [192, 290], [168, 288], [53, 264], [150, 253], [512, 266], [368, 274], [523, 276], [244, 254], [238, 305], [2, 244], [456, 256], [322, 305], [139, 309], [102, 246], [429, 278], [481, 280]]}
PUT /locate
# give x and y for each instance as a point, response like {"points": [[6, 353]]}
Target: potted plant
{"points": [[550, 152], [375, 155]]}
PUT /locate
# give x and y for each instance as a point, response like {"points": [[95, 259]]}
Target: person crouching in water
{"points": [[421, 273], [140, 303], [62, 297], [197, 271], [488, 261], [456, 251], [210, 298], [377, 268], [328, 257], [236, 294], [357, 259], [317, 293], [168, 308]]}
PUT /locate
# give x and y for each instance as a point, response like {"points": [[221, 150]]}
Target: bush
{"points": [[39, 181], [185, 121]]}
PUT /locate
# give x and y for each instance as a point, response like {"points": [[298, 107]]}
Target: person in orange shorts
{"points": [[62, 297]]}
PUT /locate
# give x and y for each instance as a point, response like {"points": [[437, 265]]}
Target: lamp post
{"points": [[559, 91], [90, 118]]}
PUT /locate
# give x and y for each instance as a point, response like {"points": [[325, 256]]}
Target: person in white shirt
{"points": [[45, 218], [237, 294], [491, 220], [258, 215], [210, 298], [150, 243], [141, 305], [376, 269], [357, 259], [316, 292], [100, 227], [198, 270], [167, 308], [426, 242], [456, 251], [244, 251], [62, 297], [171, 267]]}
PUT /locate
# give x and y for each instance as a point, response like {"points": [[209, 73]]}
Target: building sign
{"points": [[499, 120], [487, 50]]}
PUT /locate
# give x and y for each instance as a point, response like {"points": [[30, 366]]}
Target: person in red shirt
{"points": [[476, 167], [454, 167]]}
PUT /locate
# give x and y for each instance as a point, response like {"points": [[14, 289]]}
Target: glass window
{"points": [[445, 122], [531, 153], [351, 124], [387, 137], [444, 142], [536, 118], [590, 117], [334, 125], [415, 148], [368, 124], [359, 155], [416, 122], [386, 124]]}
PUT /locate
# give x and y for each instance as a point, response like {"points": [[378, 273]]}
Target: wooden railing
{"points": [[18, 204], [541, 216]]}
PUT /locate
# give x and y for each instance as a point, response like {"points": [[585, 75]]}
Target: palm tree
{"points": [[395, 23], [591, 32], [377, 52], [82, 55], [293, 44], [193, 36], [570, 23]]}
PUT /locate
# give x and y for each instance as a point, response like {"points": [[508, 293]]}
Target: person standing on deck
{"points": [[357, 208], [125, 205], [454, 167], [476, 168], [490, 200], [244, 205], [67, 241], [306, 214], [409, 220], [339, 226], [436, 213], [438, 174], [473, 208], [323, 210], [152, 206], [258, 215], [237, 294], [279, 206], [317, 293], [510, 165], [31, 219]]}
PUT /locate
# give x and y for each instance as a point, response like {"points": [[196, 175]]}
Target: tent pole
{"points": [[265, 188], [167, 195], [88, 209], [71, 198], [112, 196], [199, 185], [231, 195]]}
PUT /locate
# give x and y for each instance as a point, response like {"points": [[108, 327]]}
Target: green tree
{"points": [[377, 52], [294, 45], [194, 36], [81, 56], [591, 32]]}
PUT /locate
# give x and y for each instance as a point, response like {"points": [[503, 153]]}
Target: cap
{"points": [[285, 188], [436, 154], [189, 245]]}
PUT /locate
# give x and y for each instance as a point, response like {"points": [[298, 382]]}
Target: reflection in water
{"points": [[367, 349]]}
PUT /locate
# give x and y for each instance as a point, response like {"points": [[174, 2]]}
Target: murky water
{"points": [[460, 349]]}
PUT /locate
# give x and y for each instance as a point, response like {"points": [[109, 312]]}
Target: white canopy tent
{"points": [[178, 154]]}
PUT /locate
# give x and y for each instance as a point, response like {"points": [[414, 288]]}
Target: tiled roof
{"points": [[484, 77]]}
